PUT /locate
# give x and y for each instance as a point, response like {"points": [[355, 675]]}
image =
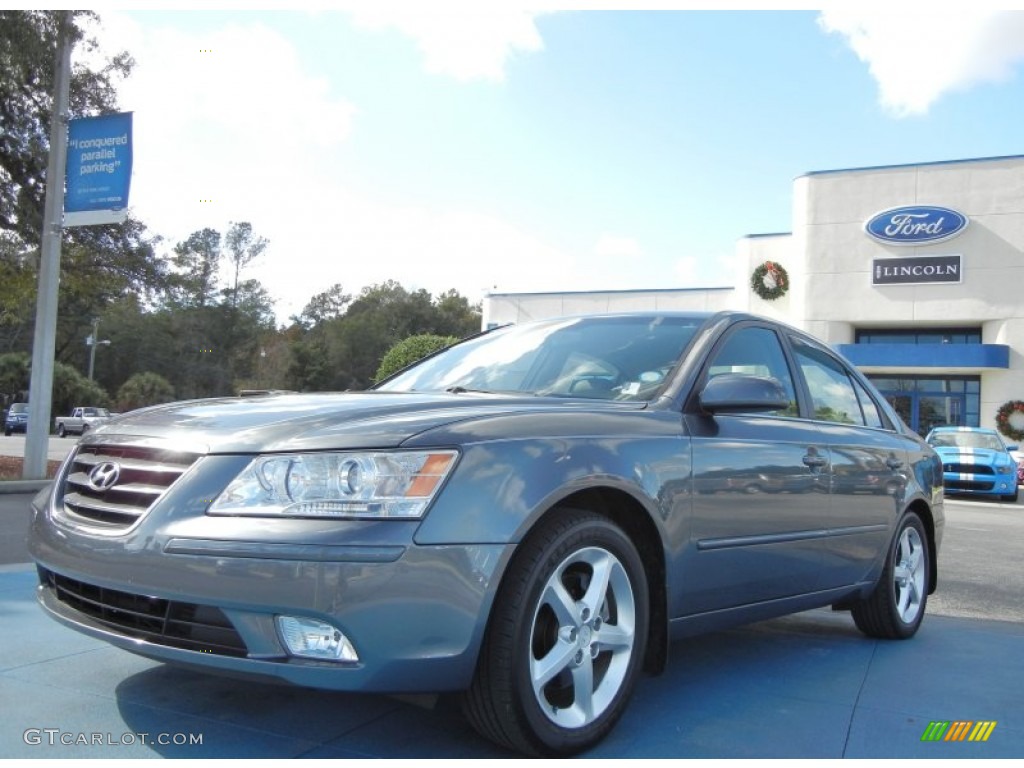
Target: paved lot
{"points": [[807, 686], [56, 447]]}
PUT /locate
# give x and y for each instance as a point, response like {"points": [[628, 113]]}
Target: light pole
{"points": [[91, 342]]}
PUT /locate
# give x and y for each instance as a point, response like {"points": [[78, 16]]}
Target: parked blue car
{"points": [[975, 461], [16, 419]]}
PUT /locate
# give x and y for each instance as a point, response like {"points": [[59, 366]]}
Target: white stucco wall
{"points": [[503, 308]]}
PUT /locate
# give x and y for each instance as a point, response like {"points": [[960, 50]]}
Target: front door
{"points": [[761, 482]]}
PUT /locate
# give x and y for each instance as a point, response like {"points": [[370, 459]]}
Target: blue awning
{"points": [[939, 357]]}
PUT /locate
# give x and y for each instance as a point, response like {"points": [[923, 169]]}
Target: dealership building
{"points": [[914, 272]]}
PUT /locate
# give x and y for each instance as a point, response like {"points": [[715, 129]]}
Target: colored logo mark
{"points": [[958, 730], [915, 225]]}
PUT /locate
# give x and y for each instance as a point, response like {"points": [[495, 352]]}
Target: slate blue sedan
{"points": [[975, 461], [527, 518]]}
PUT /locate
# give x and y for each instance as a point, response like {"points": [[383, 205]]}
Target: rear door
{"points": [[869, 464]]}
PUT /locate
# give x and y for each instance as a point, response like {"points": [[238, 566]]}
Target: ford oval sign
{"points": [[916, 225]]}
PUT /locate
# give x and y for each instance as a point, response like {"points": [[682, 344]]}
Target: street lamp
{"points": [[91, 342]]}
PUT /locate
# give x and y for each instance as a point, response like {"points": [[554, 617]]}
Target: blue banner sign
{"points": [[99, 170], [915, 225]]}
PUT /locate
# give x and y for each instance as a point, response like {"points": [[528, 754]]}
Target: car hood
{"points": [[321, 421], [975, 455]]}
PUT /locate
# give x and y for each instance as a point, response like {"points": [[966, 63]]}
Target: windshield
{"points": [[608, 358], [19, 408], [967, 440]]}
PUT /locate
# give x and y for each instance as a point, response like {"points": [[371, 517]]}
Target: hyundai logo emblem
{"points": [[103, 476]]}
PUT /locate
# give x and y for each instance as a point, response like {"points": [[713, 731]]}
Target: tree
{"points": [[243, 249], [142, 389], [14, 376], [28, 45], [98, 263], [196, 261], [71, 389], [324, 306], [412, 349], [345, 352], [18, 294]]}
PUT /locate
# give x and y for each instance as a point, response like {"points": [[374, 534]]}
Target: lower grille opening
{"points": [[189, 626], [969, 485]]}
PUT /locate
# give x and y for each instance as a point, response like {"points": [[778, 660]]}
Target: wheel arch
{"points": [[633, 518], [924, 512]]}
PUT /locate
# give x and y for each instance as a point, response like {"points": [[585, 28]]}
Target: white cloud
{"points": [[918, 57], [235, 118], [467, 43]]}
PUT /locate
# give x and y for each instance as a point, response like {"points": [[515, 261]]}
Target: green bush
{"points": [[70, 388], [142, 389], [407, 352]]}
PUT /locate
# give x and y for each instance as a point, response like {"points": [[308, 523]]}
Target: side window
{"points": [[833, 397], [756, 352], [872, 417]]}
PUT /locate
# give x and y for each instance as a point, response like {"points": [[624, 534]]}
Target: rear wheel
{"points": [[566, 638], [61, 432], [896, 608]]}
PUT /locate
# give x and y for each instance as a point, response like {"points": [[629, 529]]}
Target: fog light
{"points": [[313, 639]]}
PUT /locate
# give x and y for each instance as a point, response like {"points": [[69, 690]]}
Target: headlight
{"points": [[382, 484]]}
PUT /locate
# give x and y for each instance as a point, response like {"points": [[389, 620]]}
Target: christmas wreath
{"points": [[1010, 419], [769, 281]]}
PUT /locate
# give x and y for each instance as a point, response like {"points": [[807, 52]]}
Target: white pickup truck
{"points": [[81, 421]]}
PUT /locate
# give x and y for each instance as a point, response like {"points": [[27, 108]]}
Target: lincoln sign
{"points": [[915, 225], [916, 270]]}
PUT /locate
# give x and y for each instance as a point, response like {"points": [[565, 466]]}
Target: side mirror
{"points": [[737, 392]]}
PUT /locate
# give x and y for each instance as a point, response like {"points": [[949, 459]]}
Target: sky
{"points": [[489, 148]]}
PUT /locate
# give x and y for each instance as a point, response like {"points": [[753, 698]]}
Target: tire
{"points": [[1012, 497], [582, 641], [85, 428], [61, 432], [896, 608]]}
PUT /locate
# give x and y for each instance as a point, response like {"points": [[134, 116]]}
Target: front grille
{"points": [[969, 485], [969, 469], [164, 622], [142, 475]]}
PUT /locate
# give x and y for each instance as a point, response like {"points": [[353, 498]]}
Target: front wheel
{"points": [[896, 608], [566, 638]]}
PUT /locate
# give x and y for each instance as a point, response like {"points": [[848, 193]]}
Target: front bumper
{"points": [[189, 589], [980, 483]]}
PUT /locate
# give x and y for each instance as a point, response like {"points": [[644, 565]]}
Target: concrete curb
{"points": [[23, 486]]}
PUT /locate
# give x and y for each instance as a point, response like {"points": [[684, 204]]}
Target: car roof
{"points": [[965, 429]]}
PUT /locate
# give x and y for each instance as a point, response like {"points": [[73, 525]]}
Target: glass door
{"points": [[922, 411]]}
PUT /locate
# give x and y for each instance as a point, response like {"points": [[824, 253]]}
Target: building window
{"points": [[924, 402], [918, 336]]}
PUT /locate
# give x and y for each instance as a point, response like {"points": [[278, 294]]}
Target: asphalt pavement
{"points": [[805, 686], [56, 447]]}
